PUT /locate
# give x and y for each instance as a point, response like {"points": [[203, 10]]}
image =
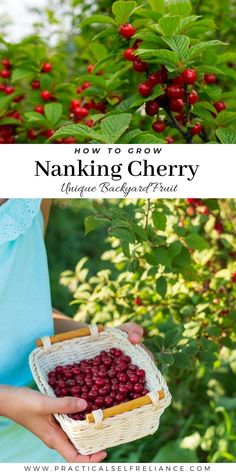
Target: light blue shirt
{"points": [[25, 303]]}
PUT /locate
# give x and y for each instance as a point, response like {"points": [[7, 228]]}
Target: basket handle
{"points": [[76, 333], [125, 407]]}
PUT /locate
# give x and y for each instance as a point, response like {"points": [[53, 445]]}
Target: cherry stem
{"points": [[179, 128]]}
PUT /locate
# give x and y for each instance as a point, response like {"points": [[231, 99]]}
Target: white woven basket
{"points": [[89, 438]]}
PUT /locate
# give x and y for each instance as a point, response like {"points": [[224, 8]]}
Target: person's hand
{"points": [[34, 411], [135, 334], [134, 331]]}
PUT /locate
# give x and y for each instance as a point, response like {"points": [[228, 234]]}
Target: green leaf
{"points": [[226, 135], [179, 44], [91, 223], [97, 19], [169, 25], [19, 74], [183, 360], [147, 138], [195, 241], [179, 7], [172, 337], [53, 112], [170, 58], [225, 118], [122, 10], [161, 256], [207, 358], [199, 48], [123, 235], [159, 220], [184, 258], [80, 132], [125, 248], [175, 249], [115, 125], [161, 286], [33, 116], [157, 6]]}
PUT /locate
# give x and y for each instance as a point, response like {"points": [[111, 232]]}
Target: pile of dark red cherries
{"points": [[106, 380]]}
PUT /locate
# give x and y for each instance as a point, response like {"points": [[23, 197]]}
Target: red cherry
{"points": [[86, 85], [46, 95], [233, 277], [129, 54], [138, 388], [90, 68], [5, 73], [138, 301], [108, 401], [31, 134], [193, 97], [39, 109], [189, 76], [89, 123], [139, 65], [133, 378], [9, 90], [196, 129], [190, 211], [127, 30], [176, 105], [174, 92], [219, 106], [35, 84], [177, 80], [99, 402], [159, 126], [81, 112], [145, 89], [137, 43], [6, 63], [151, 108], [46, 68], [219, 227], [48, 133], [140, 373], [2, 87], [210, 79], [170, 140], [119, 398]]}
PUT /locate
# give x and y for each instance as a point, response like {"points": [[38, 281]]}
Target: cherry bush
{"points": [[171, 266], [122, 72]]}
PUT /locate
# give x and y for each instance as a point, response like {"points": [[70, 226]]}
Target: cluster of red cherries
{"points": [[79, 109], [197, 206], [176, 97], [104, 381]]}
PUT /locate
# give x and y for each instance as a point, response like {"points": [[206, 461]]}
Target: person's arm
{"points": [[34, 411], [45, 209]]}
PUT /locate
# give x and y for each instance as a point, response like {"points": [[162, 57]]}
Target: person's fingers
{"points": [[134, 331], [62, 445], [64, 405]]}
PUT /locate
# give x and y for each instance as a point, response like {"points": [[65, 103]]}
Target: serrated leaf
{"points": [[178, 44], [175, 249], [161, 286], [115, 125], [169, 25], [184, 258], [91, 223], [123, 234], [19, 74], [157, 6], [195, 241], [159, 56], [161, 256], [225, 118], [199, 48], [33, 116], [53, 112], [179, 7], [122, 10], [172, 337], [159, 220], [96, 19], [80, 132], [183, 360], [226, 135]]}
